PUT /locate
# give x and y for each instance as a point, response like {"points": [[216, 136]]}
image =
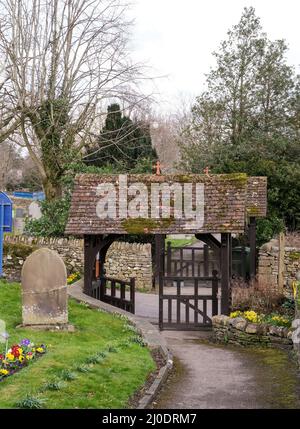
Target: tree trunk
{"points": [[52, 191]]}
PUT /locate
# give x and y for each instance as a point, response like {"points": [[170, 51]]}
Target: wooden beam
{"points": [[252, 242], [88, 264], [160, 270], [210, 240], [225, 273], [159, 256]]}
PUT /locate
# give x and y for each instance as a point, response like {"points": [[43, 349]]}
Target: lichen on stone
{"points": [[144, 225]]}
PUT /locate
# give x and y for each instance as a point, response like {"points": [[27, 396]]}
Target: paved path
{"points": [[146, 304], [212, 376]]}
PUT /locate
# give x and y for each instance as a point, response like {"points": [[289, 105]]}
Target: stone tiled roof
{"points": [[256, 205], [226, 199]]}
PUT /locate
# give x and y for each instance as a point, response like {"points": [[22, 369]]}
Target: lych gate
{"points": [[212, 207]]}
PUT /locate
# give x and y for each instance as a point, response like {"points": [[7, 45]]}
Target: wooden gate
{"points": [[185, 306], [119, 293], [191, 261], [200, 261]]}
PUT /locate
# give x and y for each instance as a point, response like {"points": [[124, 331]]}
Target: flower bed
{"points": [[273, 319], [72, 278], [249, 328], [19, 356]]}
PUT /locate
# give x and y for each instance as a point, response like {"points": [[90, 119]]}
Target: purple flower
{"points": [[25, 342]]}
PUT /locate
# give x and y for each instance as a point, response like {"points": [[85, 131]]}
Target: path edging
{"points": [[150, 334]]}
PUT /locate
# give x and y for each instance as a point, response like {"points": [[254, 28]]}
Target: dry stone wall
{"points": [[239, 331], [126, 260], [268, 266], [123, 260], [18, 247]]}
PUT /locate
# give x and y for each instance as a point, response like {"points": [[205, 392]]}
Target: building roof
{"points": [[228, 199]]}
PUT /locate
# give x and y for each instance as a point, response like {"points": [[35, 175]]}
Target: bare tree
{"points": [[64, 60], [10, 173], [9, 120], [169, 132]]}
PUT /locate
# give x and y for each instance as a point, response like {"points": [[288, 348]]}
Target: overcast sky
{"points": [[177, 37]]}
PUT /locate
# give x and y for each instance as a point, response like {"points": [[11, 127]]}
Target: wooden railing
{"points": [[119, 293]]}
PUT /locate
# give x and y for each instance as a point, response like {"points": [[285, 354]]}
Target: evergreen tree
{"points": [[122, 142], [248, 119]]}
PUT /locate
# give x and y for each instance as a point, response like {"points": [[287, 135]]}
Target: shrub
{"points": [[67, 375], [53, 385], [258, 297], [94, 359], [30, 402], [53, 220], [83, 368]]}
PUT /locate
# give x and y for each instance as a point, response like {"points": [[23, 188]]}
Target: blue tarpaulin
{"points": [[5, 222], [30, 195]]}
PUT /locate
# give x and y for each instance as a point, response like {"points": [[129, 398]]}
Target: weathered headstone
{"points": [[34, 210], [44, 289], [19, 220]]}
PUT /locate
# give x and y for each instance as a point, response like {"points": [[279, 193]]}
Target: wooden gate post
{"points": [[225, 273], [169, 256], [160, 269], [88, 264], [252, 242], [215, 304]]}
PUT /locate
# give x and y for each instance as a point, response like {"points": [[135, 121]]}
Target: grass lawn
{"points": [[180, 242], [100, 381]]}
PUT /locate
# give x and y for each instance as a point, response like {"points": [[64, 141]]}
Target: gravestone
{"points": [[44, 289], [19, 220], [34, 210]]}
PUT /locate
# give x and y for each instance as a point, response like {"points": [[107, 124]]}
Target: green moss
{"points": [[294, 255], [184, 178], [143, 225], [252, 211], [238, 178], [18, 250], [282, 373]]}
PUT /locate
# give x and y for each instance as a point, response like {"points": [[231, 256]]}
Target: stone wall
{"points": [[123, 260], [239, 331], [126, 260], [18, 247], [296, 338], [268, 266]]}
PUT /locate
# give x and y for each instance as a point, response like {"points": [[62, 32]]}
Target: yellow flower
{"points": [[4, 371], [10, 356], [280, 319], [294, 286], [40, 350], [21, 358], [252, 316], [235, 314]]}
